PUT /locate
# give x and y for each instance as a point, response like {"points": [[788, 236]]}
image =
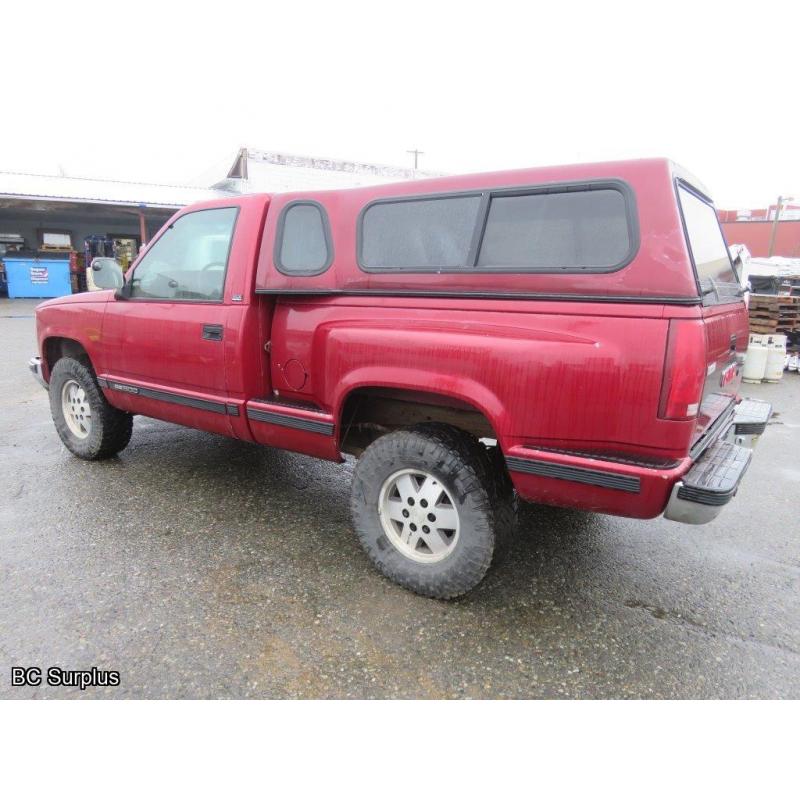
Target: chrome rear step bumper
{"points": [[713, 480]]}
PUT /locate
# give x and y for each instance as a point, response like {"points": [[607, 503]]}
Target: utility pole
{"points": [[774, 233], [416, 153]]}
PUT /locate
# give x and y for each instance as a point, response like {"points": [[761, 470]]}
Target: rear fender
{"points": [[465, 390]]}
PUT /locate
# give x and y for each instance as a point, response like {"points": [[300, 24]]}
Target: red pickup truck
{"points": [[569, 335]]}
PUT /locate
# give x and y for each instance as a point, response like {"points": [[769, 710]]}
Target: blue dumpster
{"points": [[31, 276]]}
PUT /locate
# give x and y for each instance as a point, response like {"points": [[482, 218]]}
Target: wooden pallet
{"points": [[771, 313], [768, 330], [774, 300], [789, 310], [787, 318]]}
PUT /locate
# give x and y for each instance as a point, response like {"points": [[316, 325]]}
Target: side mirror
{"points": [[106, 274], [123, 293]]}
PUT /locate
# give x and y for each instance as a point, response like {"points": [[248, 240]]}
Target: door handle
{"points": [[212, 332]]}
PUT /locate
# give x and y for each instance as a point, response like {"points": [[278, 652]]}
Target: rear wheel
{"points": [[428, 510], [88, 426]]}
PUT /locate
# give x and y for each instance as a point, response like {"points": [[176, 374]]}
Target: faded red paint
{"points": [[658, 270], [583, 373]]}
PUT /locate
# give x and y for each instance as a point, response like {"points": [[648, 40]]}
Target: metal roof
{"points": [[262, 171], [253, 171], [60, 188]]}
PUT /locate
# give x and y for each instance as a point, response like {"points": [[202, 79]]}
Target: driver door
{"points": [[164, 346]]}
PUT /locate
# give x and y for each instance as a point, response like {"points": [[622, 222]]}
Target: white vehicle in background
{"points": [[755, 272]]}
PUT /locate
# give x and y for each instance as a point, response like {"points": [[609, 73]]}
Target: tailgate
{"points": [[726, 329], [724, 311]]}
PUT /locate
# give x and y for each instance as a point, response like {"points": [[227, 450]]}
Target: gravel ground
{"points": [[203, 567]]}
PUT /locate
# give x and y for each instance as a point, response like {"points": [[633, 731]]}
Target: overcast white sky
{"points": [[153, 92]]}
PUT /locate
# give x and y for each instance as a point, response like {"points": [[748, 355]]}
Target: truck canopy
{"points": [[611, 230]]}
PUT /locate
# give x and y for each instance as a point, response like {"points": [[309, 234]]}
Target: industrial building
{"points": [[766, 232], [51, 226]]}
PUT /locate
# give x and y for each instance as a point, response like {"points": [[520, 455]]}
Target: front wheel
{"points": [[88, 426], [427, 509]]}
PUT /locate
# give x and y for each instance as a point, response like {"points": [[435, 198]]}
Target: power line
{"points": [[416, 153]]}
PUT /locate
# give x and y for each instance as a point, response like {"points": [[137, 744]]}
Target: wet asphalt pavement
{"points": [[203, 567]]}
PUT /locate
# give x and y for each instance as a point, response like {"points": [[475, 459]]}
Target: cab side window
{"points": [[189, 260]]}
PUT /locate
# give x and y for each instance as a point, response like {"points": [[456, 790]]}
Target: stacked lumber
{"points": [[774, 313]]}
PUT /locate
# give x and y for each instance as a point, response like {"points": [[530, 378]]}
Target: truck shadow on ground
{"points": [[225, 481]]}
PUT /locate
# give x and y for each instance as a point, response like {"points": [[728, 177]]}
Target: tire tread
{"points": [[451, 452], [115, 427]]}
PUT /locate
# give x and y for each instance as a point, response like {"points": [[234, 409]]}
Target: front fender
{"points": [[81, 322]]}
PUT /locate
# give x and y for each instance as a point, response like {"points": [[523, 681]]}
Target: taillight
{"points": [[684, 370]]}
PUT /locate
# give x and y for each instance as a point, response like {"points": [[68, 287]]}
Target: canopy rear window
{"points": [[715, 271]]}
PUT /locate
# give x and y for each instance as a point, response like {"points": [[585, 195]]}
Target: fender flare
{"points": [[465, 390]]}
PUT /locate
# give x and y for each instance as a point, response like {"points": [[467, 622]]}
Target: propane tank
{"points": [[755, 362], [776, 355]]}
